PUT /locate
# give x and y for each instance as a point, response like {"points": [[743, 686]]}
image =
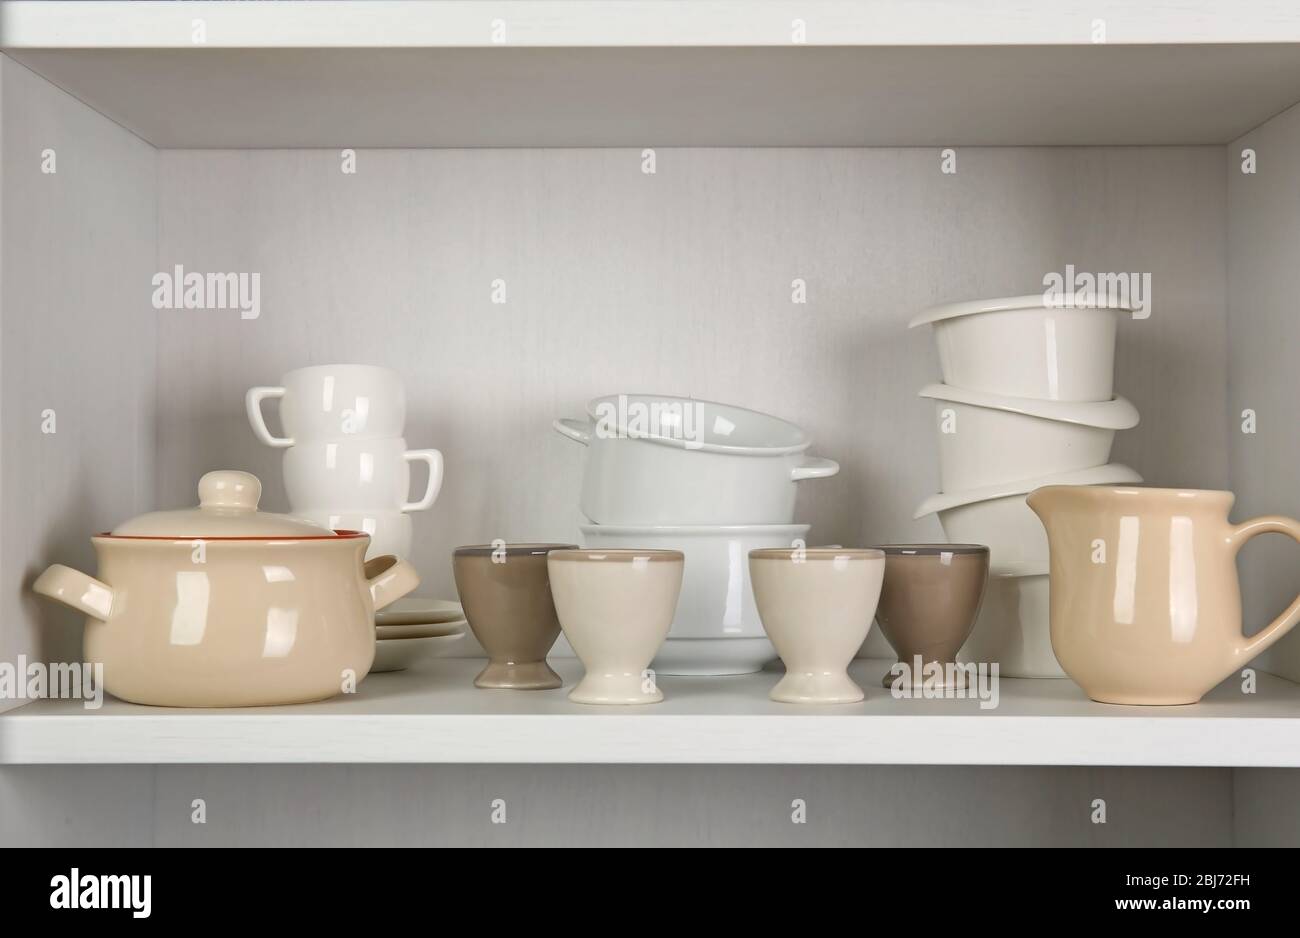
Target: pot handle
{"points": [[73, 588], [253, 404], [434, 459], [814, 468], [389, 579], [1248, 648], [577, 430]]}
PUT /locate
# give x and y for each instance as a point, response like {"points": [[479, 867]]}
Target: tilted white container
{"points": [[658, 459]]}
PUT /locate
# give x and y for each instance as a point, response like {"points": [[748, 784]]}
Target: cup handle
{"points": [[577, 430], [434, 459], [73, 588], [1248, 648], [253, 404], [389, 579], [814, 468]]}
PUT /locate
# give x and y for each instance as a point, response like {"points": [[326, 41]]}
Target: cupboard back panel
{"points": [[678, 281]]}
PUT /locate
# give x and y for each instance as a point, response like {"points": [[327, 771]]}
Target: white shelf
{"points": [[436, 715], [637, 73]]}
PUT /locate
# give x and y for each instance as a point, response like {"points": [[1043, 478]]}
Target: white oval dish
{"points": [[987, 439], [1027, 346]]}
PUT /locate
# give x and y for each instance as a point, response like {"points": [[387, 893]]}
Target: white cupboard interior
{"points": [[527, 165]]}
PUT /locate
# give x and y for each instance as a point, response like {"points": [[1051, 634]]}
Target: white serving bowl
{"points": [[998, 517], [986, 439], [716, 606], [1027, 346], [654, 459], [1014, 627]]}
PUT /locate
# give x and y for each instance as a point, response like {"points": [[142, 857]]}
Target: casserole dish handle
{"points": [[1248, 648], [814, 468], [576, 430], [73, 588], [253, 404], [389, 579]]}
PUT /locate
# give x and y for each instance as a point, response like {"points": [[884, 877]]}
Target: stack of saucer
{"points": [[1027, 401], [710, 480]]}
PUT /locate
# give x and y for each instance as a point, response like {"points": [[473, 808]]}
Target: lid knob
{"points": [[231, 489]]}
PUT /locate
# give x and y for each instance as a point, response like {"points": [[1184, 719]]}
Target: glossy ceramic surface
{"points": [[506, 592], [999, 518], [984, 442], [1014, 627], [689, 462], [369, 475], [929, 599], [817, 606], [615, 607], [1145, 602], [1022, 347], [391, 532], [331, 402], [716, 599], [230, 620]]}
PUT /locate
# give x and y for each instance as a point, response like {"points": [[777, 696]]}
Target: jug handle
{"points": [[1248, 648]]}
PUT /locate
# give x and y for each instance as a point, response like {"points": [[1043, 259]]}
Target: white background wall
{"points": [[677, 282]]}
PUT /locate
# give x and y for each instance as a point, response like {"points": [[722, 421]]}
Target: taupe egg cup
{"points": [[929, 601], [506, 593]]}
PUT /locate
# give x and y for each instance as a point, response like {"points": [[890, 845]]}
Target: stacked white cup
{"points": [[1027, 400], [346, 464]]}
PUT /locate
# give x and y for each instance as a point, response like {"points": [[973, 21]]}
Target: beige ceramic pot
{"points": [[1145, 604], [225, 606]]}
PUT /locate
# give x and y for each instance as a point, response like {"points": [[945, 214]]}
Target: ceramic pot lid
{"points": [[227, 508]]}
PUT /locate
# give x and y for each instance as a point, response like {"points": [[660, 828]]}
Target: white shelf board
{"points": [[638, 73], [435, 715]]}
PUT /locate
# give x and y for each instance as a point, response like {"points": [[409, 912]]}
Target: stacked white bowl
{"points": [[711, 480], [1027, 400], [346, 464]]}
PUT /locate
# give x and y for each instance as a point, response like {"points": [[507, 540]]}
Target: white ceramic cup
{"points": [[615, 607], [817, 606], [391, 532], [331, 402], [358, 475]]}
